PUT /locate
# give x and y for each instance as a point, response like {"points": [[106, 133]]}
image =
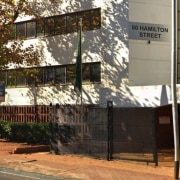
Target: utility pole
{"points": [[173, 89]]}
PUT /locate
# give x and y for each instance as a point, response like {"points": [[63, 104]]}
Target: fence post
{"points": [[154, 131], [110, 130], [51, 127]]}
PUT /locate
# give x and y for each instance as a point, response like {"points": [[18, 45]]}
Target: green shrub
{"points": [[4, 129], [31, 133], [39, 133]]}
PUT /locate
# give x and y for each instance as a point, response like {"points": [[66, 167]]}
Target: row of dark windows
{"points": [[61, 24], [51, 75]]}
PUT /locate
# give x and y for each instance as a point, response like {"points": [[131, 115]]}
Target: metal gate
{"points": [[134, 134]]}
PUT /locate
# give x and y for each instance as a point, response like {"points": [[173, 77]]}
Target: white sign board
{"points": [[145, 31]]}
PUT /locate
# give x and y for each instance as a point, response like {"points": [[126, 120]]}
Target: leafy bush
{"points": [[31, 133], [4, 129]]}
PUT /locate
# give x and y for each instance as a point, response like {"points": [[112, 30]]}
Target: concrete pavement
{"points": [[37, 159], [85, 168]]}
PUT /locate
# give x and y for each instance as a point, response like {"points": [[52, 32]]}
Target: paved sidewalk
{"points": [[80, 167], [84, 168]]}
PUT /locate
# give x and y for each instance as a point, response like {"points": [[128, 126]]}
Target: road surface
{"points": [[9, 174]]}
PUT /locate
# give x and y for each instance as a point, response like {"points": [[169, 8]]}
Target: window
{"points": [[95, 19], [20, 78], [40, 28], [85, 19], [49, 75], [49, 26], [71, 23], [2, 76], [11, 78], [91, 72], [61, 24], [70, 73], [33, 76], [54, 75], [31, 29], [20, 30], [95, 74], [86, 72], [60, 75]]}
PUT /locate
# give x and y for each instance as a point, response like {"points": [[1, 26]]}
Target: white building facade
{"points": [[126, 53]]}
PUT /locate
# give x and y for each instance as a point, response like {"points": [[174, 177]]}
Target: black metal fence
{"points": [[104, 132], [134, 134], [112, 133], [81, 130]]}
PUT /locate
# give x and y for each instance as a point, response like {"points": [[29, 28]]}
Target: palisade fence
{"points": [[103, 132], [27, 114]]}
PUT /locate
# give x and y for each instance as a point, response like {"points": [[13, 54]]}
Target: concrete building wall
{"points": [[150, 58], [126, 65]]}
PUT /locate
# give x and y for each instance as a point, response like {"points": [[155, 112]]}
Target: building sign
{"points": [[2, 92], [164, 120], [144, 31]]}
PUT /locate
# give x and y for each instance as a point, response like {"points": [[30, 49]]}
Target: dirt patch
{"points": [[51, 163], [7, 147]]}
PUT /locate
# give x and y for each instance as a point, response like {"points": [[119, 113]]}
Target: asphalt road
{"points": [[6, 176], [9, 174]]}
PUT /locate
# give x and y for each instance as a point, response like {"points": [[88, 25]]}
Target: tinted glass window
{"points": [[31, 29], [20, 30], [71, 23], [40, 28], [95, 75], [60, 25], [60, 75], [70, 73], [49, 26]]}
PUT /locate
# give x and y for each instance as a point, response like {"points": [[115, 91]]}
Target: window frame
{"points": [[42, 28], [41, 75]]}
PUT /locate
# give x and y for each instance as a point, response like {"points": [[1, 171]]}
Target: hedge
{"points": [[31, 133]]}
